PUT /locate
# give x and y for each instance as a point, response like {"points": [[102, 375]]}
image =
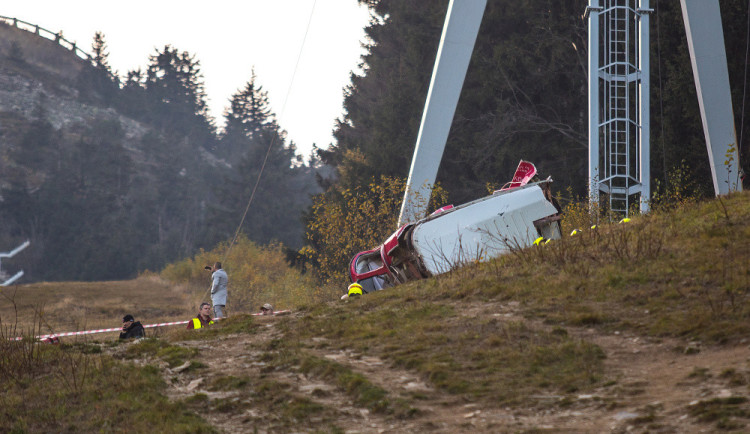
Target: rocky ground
{"points": [[661, 385]]}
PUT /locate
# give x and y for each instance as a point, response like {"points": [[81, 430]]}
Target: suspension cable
{"points": [[276, 132], [273, 138]]}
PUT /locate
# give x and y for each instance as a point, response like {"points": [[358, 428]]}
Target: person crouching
{"points": [[131, 328], [266, 309]]}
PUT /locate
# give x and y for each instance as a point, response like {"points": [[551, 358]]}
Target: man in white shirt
{"points": [[219, 290]]}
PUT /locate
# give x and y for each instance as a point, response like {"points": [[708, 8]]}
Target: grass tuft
{"points": [[363, 392], [728, 413]]}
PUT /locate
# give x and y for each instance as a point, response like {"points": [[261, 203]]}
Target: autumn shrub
{"points": [[345, 221], [577, 215], [257, 274], [675, 190]]}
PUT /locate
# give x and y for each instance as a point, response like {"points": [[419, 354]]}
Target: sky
{"points": [[230, 39]]}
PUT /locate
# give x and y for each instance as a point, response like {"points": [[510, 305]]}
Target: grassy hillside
{"points": [[640, 326]]}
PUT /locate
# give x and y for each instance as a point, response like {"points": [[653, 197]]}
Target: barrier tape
{"points": [[119, 329], [277, 312]]}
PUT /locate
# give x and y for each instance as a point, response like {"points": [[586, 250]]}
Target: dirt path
{"points": [[659, 380], [654, 386]]}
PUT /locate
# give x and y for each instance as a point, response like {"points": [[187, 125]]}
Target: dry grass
{"points": [[74, 306], [422, 327], [77, 392], [681, 273]]}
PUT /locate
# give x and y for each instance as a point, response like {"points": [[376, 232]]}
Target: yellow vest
{"points": [[197, 323]]}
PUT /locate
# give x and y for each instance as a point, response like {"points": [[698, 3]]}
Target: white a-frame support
{"points": [[456, 45], [708, 57]]}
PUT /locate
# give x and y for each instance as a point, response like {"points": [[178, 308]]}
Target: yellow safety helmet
{"points": [[355, 289]]}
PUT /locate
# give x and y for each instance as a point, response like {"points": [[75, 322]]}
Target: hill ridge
{"points": [[48, 35]]}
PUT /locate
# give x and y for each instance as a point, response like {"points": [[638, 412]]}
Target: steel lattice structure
{"points": [[619, 103]]}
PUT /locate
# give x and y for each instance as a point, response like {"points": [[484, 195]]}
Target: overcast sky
{"points": [[229, 38]]}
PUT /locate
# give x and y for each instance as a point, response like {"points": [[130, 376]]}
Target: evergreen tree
{"points": [[97, 82], [253, 141], [101, 56], [248, 118], [176, 91], [521, 98], [677, 132], [90, 229], [78, 214], [133, 95], [524, 96], [383, 107], [175, 102]]}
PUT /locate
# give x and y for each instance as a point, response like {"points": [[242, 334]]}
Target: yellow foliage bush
{"points": [[346, 221], [257, 275], [675, 191]]}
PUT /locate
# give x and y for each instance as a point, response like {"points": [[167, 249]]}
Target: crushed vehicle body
{"points": [[510, 218]]}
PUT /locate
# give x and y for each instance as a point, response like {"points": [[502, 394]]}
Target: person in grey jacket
{"points": [[219, 290]]}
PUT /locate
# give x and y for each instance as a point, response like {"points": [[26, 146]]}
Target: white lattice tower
{"points": [[619, 103]]}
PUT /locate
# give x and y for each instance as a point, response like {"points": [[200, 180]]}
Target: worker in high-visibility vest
{"points": [[203, 319], [354, 290]]}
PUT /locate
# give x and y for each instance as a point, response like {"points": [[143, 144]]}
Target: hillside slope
{"points": [[38, 81], [642, 385], [638, 327], [83, 171]]}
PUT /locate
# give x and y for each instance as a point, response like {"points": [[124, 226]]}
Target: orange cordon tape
{"points": [[119, 329]]}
